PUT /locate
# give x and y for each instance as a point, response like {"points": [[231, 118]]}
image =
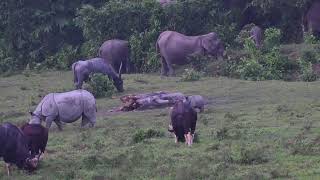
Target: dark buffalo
{"points": [[183, 122], [37, 136], [82, 70], [14, 148]]}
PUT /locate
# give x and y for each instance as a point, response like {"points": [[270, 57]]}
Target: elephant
{"points": [[115, 52], [311, 19], [256, 35], [82, 70], [164, 3], [174, 48], [65, 107]]}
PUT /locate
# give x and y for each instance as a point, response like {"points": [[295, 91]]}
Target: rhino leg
{"points": [[84, 121], [49, 120], [59, 124]]}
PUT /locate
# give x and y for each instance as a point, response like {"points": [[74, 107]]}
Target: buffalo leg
{"points": [[8, 168], [49, 120]]}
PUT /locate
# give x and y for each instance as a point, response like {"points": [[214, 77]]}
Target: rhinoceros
{"points": [[65, 107], [82, 70]]}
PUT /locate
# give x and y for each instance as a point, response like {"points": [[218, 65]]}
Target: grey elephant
{"points": [[174, 48], [311, 19], [82, 70], [256, 35], [164, 3], [115, 52], [65, 107]]}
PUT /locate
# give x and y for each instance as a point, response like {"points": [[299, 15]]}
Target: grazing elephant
{"points": [[311, 20], [174, 48], [256, 35], [65, 107], [164, 3], [116, 52], [82, 70]]}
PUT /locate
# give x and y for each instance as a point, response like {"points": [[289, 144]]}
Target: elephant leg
{"points": [[59, 124], [171, 71], [49, 120], [80, 82], [164, 67]]}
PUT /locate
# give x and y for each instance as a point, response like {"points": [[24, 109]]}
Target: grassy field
{"points": [[249, 130]]}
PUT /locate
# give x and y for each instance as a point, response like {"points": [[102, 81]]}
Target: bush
{"points": [[190, 75], [100, 85], [309, 38], [63, 59], [307, 73], [141, 135], [272, 38], [254, 154]]}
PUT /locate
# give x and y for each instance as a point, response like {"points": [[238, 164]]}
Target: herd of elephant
{"points": [[173, 47]]}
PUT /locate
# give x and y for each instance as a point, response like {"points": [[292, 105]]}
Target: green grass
{"points": [[258, 125]]}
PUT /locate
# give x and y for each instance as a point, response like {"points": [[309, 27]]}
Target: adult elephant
{"points": [[256, 34], [311, 19], [115, 52], [174, 48]]}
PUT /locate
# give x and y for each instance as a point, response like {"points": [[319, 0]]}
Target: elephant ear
{"points": [[206, 43]]}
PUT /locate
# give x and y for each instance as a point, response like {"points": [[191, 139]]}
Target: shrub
{"points": [[100, 85], [141, 135], [190, 75], [254, 154], [309, 38], [250, 69], [307, 71], [272, 38], [63, 59]]}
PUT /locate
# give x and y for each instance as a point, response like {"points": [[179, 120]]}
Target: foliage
{"points": [[268, 63], [310, 38], [272, 38], [141, 135], [190, 75], [100, 85]]}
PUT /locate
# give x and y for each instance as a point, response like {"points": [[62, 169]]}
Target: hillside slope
{"points": [[249, 130]]}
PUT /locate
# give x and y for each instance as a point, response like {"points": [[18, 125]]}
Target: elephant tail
{"points": [[157, 46], [75, 79]]}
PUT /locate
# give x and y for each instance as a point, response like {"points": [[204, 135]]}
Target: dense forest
{"points": [[54, 33]]}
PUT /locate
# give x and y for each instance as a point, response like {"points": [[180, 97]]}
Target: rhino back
{"points": [[70, 105]]}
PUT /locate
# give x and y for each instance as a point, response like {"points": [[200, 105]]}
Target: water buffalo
{"points": [[311, 19], [183, 122], [37, 136], [65, 107], [256, 35], [14, 148], [82, 70], [174, 48], [116, 51]]}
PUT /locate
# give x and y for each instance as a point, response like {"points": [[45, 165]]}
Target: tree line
{"points": [[55, 33]]}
